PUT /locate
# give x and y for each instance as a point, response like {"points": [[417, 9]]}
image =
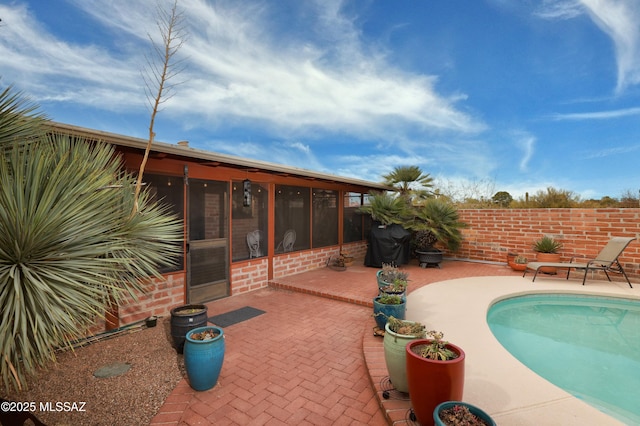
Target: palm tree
{"points": [[437, 221], [68, 242], [386, 208], [402, 178]]}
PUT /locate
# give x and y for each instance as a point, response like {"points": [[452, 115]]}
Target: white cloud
{"points": [[620, 20], [598, 115], [559, 9], [526, 143], [240, 68]]}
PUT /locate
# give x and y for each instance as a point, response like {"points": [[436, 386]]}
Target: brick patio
{"points": [[311, 359]]}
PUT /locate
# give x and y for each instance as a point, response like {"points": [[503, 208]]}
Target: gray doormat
{"points": [[234, 317]]}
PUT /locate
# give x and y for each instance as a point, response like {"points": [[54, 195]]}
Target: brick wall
{"points": [[161, 296], [492, 233], [248, 276]]}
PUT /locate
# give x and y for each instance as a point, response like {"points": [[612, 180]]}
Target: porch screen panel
{"points": [[168, 190], [208, 265], [366, 219], [292, 218], [325, 218], [352, 226], [250, 223]]}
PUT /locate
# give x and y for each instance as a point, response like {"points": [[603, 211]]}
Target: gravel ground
{"points": [[132, 398]]}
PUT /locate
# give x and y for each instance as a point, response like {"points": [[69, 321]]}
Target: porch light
{"points": [[246, 186]]}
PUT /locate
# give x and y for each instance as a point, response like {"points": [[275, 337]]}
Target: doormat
{"points": [[234, 317]]}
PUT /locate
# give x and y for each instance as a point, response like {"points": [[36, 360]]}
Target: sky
{"points": [[499, 95]]}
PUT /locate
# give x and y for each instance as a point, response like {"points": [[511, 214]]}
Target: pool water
{"points": [[588, 346]]}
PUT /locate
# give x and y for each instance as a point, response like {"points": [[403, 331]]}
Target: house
{"points": [[246, 222]]}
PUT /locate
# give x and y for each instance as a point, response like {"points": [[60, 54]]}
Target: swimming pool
{"points": [[587, 345]]}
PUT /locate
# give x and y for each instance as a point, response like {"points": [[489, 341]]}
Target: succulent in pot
{"points": [[441, 365], [547, 249], [547, 244]]}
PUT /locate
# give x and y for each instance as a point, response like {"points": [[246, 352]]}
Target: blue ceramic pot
{"points": [[382, 311], [472, 408], [203, 358]]}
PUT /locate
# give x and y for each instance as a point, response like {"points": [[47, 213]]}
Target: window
{"points": [[353, 220], [249, 220], [168, 190], [292, 213], [325, 218]]}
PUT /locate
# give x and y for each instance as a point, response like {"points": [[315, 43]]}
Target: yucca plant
{"points": [[69, 244]]}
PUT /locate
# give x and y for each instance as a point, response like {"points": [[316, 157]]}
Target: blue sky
{"points": [[496, 95]]}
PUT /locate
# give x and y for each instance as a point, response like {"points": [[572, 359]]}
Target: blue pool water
{"points": [[588, 346]]}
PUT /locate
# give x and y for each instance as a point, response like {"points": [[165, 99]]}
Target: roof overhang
{"points": [[160, 149]]}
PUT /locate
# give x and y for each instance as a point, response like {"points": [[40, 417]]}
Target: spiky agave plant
{"points": [[69, 245]]}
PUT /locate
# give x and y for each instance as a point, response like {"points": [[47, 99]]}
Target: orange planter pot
{"points": [[518, 266], [548, 257], [433, 382]]}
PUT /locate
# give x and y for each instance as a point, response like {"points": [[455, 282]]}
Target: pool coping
{"points": [[494, 379]]}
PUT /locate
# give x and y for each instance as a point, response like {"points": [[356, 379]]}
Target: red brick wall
{"points": [[161, 296], [492, 233], [250, 275]]}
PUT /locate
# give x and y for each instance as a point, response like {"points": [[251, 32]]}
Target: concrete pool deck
{"points": [[495, 380]]}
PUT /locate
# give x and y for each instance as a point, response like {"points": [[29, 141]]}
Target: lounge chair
{"points": [[606, 260]]}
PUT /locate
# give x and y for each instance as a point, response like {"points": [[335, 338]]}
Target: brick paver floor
{"points": [[303, 361]]}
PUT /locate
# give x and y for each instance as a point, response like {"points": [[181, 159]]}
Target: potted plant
{"points": [[547, 249], [519, 263], [458, 413], [183, 319], [435, 221], [399, 287], [397, 334], [346, 258], [388, 305], [392, 279], [203, 356], [435, 374]]}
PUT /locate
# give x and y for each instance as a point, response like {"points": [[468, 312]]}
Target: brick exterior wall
{"points": [[161, 296], [249, 276], [492, 233]]}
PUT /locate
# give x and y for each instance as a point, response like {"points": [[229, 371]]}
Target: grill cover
{"points": [[388, 244]]}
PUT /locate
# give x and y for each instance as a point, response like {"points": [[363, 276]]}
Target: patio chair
{"points": [[254, 239], [288, 241], [606, 261]]}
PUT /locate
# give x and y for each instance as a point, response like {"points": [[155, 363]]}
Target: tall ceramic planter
{"points": [[548, 257], [382, 311], [472, 409], [432, 382], [395, 356], [203, 358]]}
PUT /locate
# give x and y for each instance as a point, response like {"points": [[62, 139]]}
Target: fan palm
{"points": [[386, 208], [68, 242], [437, 220], [402, 178]]}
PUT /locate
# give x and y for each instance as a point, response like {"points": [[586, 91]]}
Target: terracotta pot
{"points": [[518, 266], [548, 257], [433, 382]]}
